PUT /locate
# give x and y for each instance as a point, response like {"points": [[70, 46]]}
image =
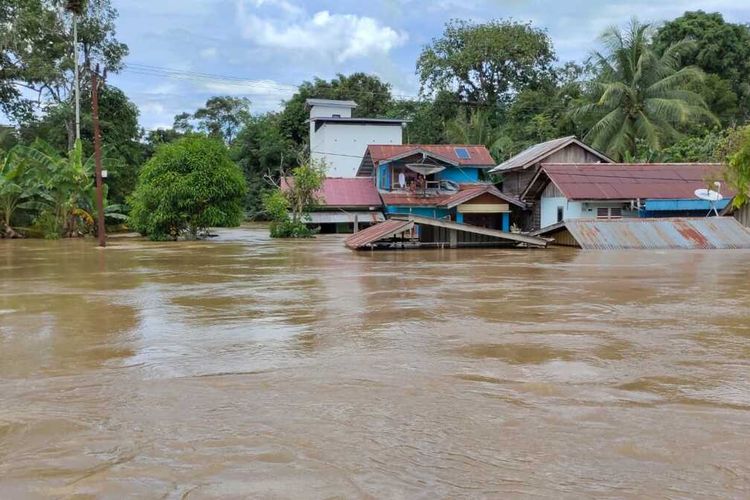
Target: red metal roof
{"points": [[627, 181], [345, 192], [478, 154]]}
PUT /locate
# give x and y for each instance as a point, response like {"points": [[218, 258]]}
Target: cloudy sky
{"points": [[184, 51]]}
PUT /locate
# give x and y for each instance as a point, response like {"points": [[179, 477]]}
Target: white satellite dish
{"points": [[710, 196]]}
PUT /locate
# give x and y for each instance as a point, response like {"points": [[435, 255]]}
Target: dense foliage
{"points": [[640, 94], [187, 187], [289, 207], [49, 194]]}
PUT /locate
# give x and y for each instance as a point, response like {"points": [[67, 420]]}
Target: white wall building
{"points": [[340, 140]]}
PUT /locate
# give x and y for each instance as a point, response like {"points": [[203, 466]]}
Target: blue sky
{"points": [[262, 49]]}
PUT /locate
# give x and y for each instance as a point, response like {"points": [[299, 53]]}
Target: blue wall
{"points": [[680, 205], [424, 211], [462, 175]]}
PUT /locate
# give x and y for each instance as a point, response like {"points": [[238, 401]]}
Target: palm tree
{"points": [[639, 95], [475, 128]]}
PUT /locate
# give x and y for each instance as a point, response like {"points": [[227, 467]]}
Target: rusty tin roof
{"points": [[668, 233]]}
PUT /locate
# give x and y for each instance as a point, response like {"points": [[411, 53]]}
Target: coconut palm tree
{"points": [[639, 95], [474, 127]]}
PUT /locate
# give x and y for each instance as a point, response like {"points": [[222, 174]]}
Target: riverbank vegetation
{"points": [[676, 91], [187, 187]]}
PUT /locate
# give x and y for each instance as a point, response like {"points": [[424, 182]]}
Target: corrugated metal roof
{"points": [[466, 193], [341, 217], [628, 181], [471, 192], [345, 192], [538, 152], [479, 156], [377, 232], [672, 233]]}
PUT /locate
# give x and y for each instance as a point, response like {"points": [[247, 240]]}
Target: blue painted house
{"points": [[439, 181]]}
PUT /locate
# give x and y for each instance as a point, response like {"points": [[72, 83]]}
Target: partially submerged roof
{"points": [[466, 193], [381, 231], [625, 181], [669, 233], [401, 223], [344, 192], [538, 152]]}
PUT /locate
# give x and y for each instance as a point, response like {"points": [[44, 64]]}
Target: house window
{"points": [[560, 214], [609, 213]]}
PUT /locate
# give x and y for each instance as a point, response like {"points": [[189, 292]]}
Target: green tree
{"points": [[486, 63], [289, 207], [373, 98], [639, 95], [223, 116], [719, 48], [36, 54], [475, 128], [427, 118], [264, 154], [187, 187], [737, 170], [121, 136]]}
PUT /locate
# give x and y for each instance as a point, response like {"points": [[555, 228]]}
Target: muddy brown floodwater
{"points": [[249, 368]]}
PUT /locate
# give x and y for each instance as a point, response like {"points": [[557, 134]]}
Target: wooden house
{"points": [[517, 172]]}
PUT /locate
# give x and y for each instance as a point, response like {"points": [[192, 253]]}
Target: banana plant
{"points": [[68, 189], [17, 188]]}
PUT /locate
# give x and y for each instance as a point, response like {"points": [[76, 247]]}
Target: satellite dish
{"points": [[710, 196]]}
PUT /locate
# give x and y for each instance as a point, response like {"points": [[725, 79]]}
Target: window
{"points": [[462, 153], [609, 213], [560, 213]]}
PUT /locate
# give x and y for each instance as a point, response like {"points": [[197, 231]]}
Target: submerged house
{"points": [[562, 192], [518, 171], [438, 181], [344, 204]]}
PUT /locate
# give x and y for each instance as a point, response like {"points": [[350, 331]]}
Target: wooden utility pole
{"points": [[98, 156]]}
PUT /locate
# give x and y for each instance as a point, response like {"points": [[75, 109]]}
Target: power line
{"points": [[159, 71]]}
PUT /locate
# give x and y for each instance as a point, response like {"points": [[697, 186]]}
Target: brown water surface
{"points": [[249, 368]]}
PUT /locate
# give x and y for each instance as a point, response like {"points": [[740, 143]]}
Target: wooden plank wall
{"points": [[742, 215]]}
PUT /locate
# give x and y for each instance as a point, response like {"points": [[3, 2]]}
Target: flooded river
{"points": [[249, 368]]}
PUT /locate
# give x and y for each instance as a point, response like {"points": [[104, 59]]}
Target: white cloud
{"points": [[209, 53], [338, 37]]}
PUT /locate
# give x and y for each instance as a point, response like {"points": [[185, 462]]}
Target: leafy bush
{"points": [[288, 209], [185, 188]]}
